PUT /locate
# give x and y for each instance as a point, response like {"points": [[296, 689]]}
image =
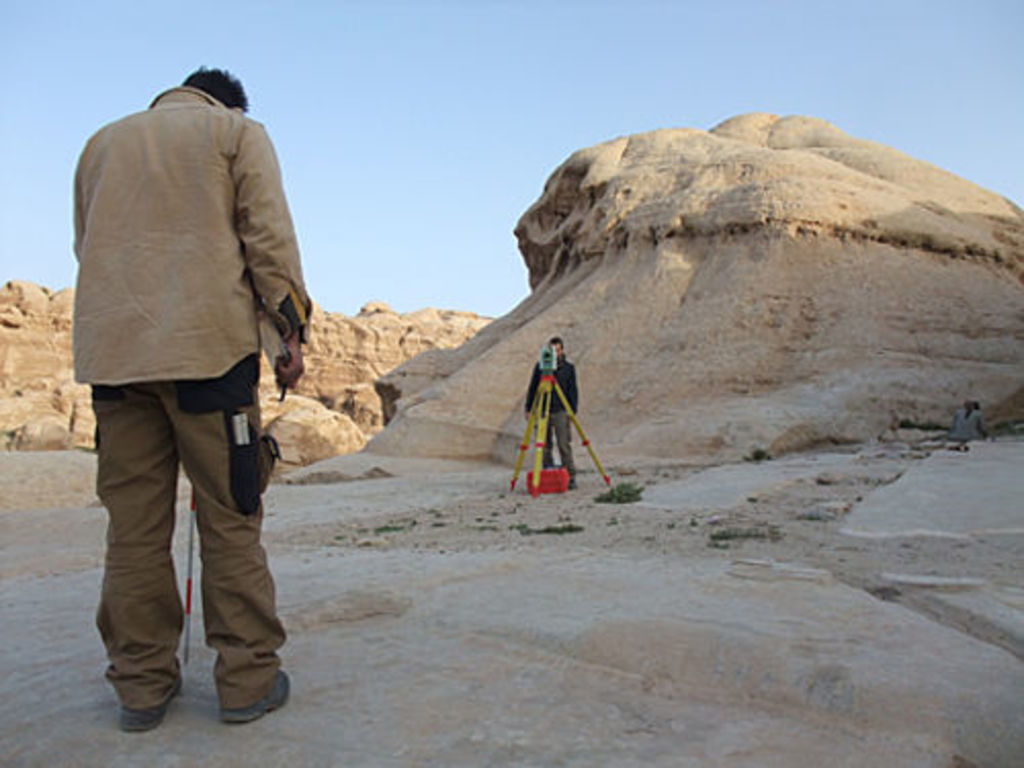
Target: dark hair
{"points": [[222, 85], [556, 340]]}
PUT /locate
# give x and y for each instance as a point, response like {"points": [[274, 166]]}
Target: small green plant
{"points": [[623, 493], [558, 530], [723, 535], [928, 426], [393, 528], [759, 454]]}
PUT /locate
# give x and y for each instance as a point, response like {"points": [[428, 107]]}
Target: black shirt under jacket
{"points": [[565, 375]]}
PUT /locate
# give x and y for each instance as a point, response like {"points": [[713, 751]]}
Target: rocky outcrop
{"points": [[306, 431], [345, 356], [772, 283], [41, 407], [335, 409]]}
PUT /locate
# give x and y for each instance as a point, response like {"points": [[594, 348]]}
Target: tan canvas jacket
{"points": [[179, 214]]}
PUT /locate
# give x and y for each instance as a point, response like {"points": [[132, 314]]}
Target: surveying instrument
{"points": [[540, 413]]}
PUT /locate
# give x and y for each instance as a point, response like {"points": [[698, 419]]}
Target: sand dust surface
{"points": [[857, 607]]}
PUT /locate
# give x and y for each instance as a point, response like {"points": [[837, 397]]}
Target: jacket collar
{"points": [[184, 93]]}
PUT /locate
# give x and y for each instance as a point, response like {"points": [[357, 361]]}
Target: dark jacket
{"points": [[565, 375]]}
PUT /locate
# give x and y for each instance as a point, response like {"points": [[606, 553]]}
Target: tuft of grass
{"points": [[623, 493], [758, 454], [558, 530], [928, 426], [393, 528], [721, 536]]}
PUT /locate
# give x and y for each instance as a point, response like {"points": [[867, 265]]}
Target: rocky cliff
{"points": [[335, 409], [771, 284]]}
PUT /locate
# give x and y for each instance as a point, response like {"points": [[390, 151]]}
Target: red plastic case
{"points": [[551, 481]]}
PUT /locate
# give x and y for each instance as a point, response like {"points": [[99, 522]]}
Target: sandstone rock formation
{"points": [[334, 411], [346, 355], [306, 431], [772, 283], [41, 407]]}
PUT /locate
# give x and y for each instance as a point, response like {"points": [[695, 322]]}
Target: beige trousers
{"points": [[142, 435]]}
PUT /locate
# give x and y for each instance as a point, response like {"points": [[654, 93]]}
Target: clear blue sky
{"points": [[412, 135]]}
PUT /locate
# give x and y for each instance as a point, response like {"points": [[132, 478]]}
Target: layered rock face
{"points": [[772, 283], [41, 406], [335, 409]]}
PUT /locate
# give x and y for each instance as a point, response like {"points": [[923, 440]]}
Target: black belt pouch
{"points": [[228, 394]]}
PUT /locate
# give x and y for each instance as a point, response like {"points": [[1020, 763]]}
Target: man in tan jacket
{"points": [[183, 237]]}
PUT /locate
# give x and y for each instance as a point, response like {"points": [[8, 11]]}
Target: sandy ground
{"points": [[863, 607]]}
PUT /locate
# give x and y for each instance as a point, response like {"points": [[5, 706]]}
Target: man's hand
{"points": [[289, 367]]}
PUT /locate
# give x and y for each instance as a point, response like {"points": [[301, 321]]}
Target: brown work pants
{"points": [[142, 435]]}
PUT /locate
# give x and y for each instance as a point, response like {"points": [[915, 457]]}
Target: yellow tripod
{"points": [[539, 416]]}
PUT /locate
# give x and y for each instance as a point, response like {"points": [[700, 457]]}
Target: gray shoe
{"points": [[274, 700], [135, 720]]}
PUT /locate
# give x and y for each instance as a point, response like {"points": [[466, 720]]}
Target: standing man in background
{"points": [[183, 235], [565, 375]]}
